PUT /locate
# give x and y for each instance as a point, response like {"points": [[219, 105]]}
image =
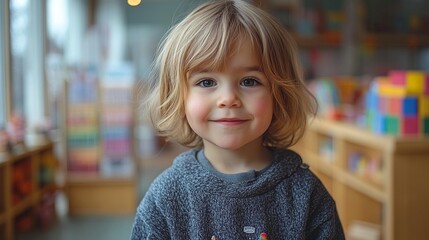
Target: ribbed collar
{"points": [[206, 179], [232, 178]]}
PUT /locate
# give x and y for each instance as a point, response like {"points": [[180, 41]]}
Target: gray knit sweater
{"points": [[191, 200]]}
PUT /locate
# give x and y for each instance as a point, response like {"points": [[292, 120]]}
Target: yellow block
{"points": [[390, 90], [415, 82], [423, 106]]}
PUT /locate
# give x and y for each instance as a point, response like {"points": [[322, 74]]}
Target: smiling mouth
{"points": [[230, 121]]}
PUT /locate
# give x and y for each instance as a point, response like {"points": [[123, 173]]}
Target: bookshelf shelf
{"points": [[10, 210], [101, 173], [397, 201]]}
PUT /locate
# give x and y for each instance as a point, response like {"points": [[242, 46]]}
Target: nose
{"points": [[228, 98]]}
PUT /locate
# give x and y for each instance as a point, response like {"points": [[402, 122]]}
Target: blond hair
{"points": [[206, 37]]}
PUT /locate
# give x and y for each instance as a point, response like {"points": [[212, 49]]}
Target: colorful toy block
{"points": [[410, 125], [392, 125], [395, 106], [392, 90], [386, 88], [383, 104], [409, 106], [415, 82], [412, 82], [425, 125], [399, 103], [376, 121], [424, 105], [371, 100], [426, 87], [397, 77]]}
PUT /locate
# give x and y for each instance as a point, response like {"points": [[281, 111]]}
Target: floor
{"points": [[102, 227]]}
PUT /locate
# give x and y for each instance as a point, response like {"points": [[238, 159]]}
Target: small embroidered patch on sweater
{"points": [[249, 229], [263, 236]]}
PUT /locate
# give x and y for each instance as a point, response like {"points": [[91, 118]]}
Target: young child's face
{"points": [[231, 107]]}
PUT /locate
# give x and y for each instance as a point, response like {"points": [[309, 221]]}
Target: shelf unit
{"points": [[101, 179], [355, 16], [94, 194], [385, 40], [348, 37], [311, 27], [318, 41], [391, 192], [28, 167]]}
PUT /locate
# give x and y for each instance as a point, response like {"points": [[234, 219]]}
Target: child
{"points": [[229, 86]]}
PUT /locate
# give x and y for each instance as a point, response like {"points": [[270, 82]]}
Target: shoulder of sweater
{"points": [[302, 173], [169, 181], [305, 178]]}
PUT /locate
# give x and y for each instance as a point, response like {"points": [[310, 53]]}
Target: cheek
{"points": [[196, 108], [263, 107]]}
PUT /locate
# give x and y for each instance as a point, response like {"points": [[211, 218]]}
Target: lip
{"points": [[230, 121]]}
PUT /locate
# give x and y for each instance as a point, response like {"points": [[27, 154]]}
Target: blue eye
{"points": [[206, 83], [249, 82]]}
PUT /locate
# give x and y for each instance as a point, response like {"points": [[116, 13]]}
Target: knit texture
{"points": [[286, 201]]}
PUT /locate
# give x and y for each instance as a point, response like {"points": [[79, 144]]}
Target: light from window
{"points": [[19, 21], [3, 106]]}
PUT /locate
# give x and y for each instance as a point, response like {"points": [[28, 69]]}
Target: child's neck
{"points": [[252, 156]]}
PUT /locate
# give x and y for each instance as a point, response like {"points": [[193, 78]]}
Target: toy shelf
{"points": [[100, 195], [101, 177], [373, 178], [395, 40], [20, 188]]}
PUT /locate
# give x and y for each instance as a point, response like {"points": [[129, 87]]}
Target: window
{"points": [[19, 21], [27, 50], [3, 92], [57, 16]]}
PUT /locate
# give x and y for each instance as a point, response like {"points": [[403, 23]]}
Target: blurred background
{"points": [[77, 153]]}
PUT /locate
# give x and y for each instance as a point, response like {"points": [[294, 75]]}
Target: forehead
{"points": [[244, 60], [244, 54], [238, 53]]}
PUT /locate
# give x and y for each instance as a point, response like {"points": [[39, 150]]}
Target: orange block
{"points": [[387, 89]]}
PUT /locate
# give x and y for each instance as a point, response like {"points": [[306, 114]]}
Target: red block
{"points": [[410, 125], [395, 106]]}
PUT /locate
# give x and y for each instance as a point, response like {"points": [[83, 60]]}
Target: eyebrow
{"points": [[253, 69]]}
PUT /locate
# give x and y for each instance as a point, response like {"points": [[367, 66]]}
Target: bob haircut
{"points": [[205, 39]]}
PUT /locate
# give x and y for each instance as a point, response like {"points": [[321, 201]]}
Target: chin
{"points": [[231, 145]]}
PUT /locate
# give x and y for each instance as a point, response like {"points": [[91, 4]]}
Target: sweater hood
{"points": [[191, 173]]}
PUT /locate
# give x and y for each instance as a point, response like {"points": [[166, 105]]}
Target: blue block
{"points": [[409, 106], [371, 101], [380, 123]]}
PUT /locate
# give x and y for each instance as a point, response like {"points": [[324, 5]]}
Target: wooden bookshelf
{"points": [[98, 124], [93, 194], [392, 195], [12, 205], [395, 40]]}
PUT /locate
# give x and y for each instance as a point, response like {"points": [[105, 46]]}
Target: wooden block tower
{"points": [[398, 104]]}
